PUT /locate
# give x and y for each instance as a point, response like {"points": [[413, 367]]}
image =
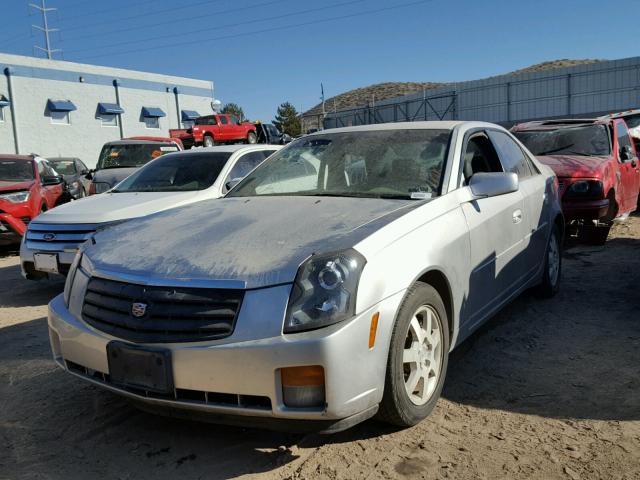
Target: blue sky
{"points": [[260, 53]]}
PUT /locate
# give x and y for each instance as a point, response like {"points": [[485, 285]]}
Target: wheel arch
{"points": [[438, 280]]}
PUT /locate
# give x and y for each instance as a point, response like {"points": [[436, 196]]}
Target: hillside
{"points": [[382, 91]]}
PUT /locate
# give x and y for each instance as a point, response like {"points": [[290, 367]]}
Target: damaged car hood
{"points": [[254, 241]]}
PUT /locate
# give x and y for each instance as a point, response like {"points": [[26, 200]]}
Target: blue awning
{"points": [[60, 106], [152, 112], [109, 108], [189, 114], [4, 101]]}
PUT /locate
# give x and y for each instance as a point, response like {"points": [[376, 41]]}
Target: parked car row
{"points": [[329, 282]]}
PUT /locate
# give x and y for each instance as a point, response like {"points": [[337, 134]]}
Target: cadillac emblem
{"points": [[138, 309]]}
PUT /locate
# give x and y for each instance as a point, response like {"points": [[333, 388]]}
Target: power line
{"points": [[45, 29], [106, 10], [265, 30], [173, 21], [219, 27], [132, 17]]}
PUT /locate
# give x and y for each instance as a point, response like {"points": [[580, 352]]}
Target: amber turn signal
{"points": [[373, 329], [312, 375]]}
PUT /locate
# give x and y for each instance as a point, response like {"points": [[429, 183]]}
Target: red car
{"points": [[219, 128], [28, 186], [596, 164]]}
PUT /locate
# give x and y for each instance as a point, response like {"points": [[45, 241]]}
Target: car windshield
{"points": [[131, 155], [589, 140], [394, 163], [64, 167], [16, 171], [180, 172]]}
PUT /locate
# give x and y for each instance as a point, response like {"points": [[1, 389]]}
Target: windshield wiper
{"points": [[554, 150]]}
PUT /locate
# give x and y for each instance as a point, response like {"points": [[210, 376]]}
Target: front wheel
{"points": [[251, 138], [552, 265], [418, 357]]}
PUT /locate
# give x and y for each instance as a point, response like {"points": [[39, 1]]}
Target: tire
{"points": [[595, 234], [552, 266], [398, 407], [208, 141], [251, 138]]}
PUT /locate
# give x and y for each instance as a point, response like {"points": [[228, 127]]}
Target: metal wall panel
{"points": [[580, 91]]}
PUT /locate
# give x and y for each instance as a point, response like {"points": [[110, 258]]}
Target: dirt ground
{"points": [[548, 389]]}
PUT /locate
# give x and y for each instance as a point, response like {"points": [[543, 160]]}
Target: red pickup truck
{"points": [[28, 186], [597, 168], [218, 128]]}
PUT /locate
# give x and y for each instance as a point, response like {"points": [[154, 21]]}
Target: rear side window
{"points": [[223, 120], [512, 157]]}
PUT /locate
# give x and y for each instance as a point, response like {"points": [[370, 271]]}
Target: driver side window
{"points": [[479, 156]]}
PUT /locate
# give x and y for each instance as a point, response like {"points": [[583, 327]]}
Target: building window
{"points": [[60, 118], [152, 122], [109, 119]]}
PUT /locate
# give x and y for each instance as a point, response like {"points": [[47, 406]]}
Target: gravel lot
{"points": [[548, 389]]}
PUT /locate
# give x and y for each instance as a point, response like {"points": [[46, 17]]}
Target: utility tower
{"points": [[45, 29]]}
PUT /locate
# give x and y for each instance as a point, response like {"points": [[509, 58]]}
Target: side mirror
{"points": [[52, 180], [484, 185], [626, 153], [89, 174], [286, 138], [232, 183]]}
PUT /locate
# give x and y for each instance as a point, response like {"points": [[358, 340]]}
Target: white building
{"points": [[57, 108]]}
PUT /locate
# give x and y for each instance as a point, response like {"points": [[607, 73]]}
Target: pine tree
{"points": [[233, 109], [287, 119]]}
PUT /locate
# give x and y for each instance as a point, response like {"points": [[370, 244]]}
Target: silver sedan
{"points": [[327, 287]]}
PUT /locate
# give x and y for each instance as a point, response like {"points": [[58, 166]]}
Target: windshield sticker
{"points": [[420, 195], [168, 149]]}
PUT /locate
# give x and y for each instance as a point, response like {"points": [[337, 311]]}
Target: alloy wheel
{"points": [[422, 355]]}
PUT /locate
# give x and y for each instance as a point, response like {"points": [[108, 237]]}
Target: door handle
{"points": [[517, 216]]}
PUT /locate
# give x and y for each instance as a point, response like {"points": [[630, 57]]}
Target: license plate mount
{"points": [[141, 368], [46, 262]]}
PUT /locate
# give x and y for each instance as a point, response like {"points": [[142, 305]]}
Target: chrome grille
{"points": [[58, 237], [170, 315]]}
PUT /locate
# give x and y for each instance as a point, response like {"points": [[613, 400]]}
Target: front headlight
{"points": [[586, 189], [69, 282], [324, 291], [16, 197]]}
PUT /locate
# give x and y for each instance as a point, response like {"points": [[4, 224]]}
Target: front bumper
{"points": [[246, 365], [585, 209]]}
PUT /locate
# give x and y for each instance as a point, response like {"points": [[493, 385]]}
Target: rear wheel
{"points": [[251, 137], [418, 356], [552, 266], [208, 141]]}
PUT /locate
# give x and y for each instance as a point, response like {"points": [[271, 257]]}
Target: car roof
{"points": [[126, 141], [433, 125], [15, 157], [626, 113], [560, 123], [232, 148]]}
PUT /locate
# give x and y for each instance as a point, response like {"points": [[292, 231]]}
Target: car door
{"points": [[243, 165], [51, 192], [533, 186], [496, 231], [629, 170]]}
